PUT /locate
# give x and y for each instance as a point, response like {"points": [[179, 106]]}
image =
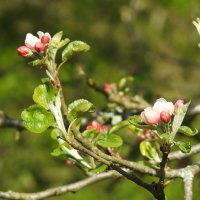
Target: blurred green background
{"points": [[154, 41]]}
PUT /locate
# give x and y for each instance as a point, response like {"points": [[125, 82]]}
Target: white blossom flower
{"points": [[31, 40]]}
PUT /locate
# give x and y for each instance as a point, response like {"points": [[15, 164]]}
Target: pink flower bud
{"points": [[165, 117], [178, 104], [108, 87], [97, 126], [45, 39], [24, 51], [150, 116], [40, 47]]}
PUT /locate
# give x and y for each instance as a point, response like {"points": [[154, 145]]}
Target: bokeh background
{"points": [[154, 41]]}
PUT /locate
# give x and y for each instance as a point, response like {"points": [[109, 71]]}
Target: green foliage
{"points": [[37, 119], [185, 147], [119, 126], [178, 119], [79, 108], [99, 169], [58, 153], [110, 140], [188, 131], [44, 94], [148, 150], [74, 47]]}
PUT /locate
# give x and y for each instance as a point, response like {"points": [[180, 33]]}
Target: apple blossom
{"points": [[24, 51], [150, 116], [40, 47], [31, 40], [162, 105], [44, 37]]}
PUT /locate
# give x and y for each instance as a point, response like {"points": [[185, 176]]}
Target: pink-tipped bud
{"points": [[39, 47], [165, 117], [108, 87], [24, 51], [97, 126], [45, 39], [178, 104]]}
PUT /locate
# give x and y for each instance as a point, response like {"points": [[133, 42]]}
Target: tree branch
{"points": [[74, 187], [178, 155], [7, 122]]}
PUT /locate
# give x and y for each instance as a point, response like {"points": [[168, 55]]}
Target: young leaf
{"points": [[79, 108], [100, 168], [119, 126], [110, 140], [89, 133], [184, 147], [55, 133], [74, 47], [125, 81], [44, 93], [57, 37], [36, 119], [149, 151], [58, 152], [178, 119], [188, 131]]}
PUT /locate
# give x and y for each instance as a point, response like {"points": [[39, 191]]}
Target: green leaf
{"points": [[55, 133], [57, 37], [74, 47], [119, 126], [188, 131], [125, 81], [110, 140], [99, 169], [58, 152], [149, 151], [44, 93], [184, 147], [90, 133], [178, 119], [79, 108], [63, 42], [37, 119]]}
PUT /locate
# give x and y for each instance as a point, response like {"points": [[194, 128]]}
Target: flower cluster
{"points": [[34, 44], [97, 126], [162, 110], [147, 135]]}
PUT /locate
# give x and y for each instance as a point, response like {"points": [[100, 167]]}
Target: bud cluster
{"points": [[34, 44], [161, 111], [147, 135], [97, 126]]}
